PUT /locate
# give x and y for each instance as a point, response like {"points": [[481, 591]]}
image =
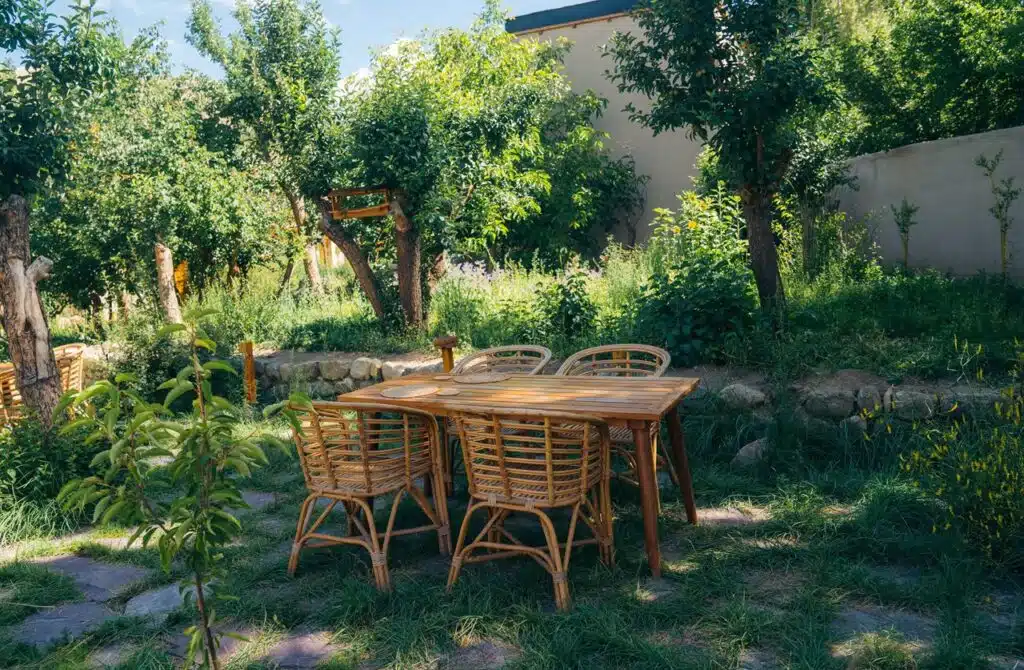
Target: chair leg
{"points": [[378, 558], [300, 530], [444, 533], [453, 572], [558, 576]]}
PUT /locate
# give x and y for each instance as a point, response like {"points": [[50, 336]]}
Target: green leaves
{"points": [[175, 479]]}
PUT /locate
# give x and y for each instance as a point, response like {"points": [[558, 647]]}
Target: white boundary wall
{"points": [[955, 231]]}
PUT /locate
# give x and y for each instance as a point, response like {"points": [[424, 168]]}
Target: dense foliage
{"points": [[281, 74], [484, 148], [150, 176], [976, 469], [701, 292], [931, 69], [743, 78], [176, 479]]}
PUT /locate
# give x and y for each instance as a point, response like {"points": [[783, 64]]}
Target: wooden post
{"points": [[447, 345], [249, 368]]}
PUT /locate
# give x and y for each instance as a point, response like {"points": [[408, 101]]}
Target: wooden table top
{"points": [[609, 398]]}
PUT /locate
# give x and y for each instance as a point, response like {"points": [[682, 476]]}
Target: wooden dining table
{"points": [[631, 402]]}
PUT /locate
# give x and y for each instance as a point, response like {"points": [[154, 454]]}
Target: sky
{"points": [[364, 24]]}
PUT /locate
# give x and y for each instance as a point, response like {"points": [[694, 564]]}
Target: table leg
{"points": [[682, 464], [648, 494]]}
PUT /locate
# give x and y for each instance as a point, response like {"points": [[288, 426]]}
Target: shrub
{"points": [[701, 290], [177, 480], [566, 308], [977, 472], [34, 466]]}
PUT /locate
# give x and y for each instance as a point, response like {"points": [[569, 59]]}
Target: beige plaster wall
{"points": [[668, 159], [955, 232]]}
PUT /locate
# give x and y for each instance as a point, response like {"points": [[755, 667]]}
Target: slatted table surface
{"points": [[617, 400]]}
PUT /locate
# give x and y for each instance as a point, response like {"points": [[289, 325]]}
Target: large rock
{"points": [[72, 621], [322, 389], [742, 397], [751, 453], [300, 372], [830, 403], [914, 405], [869, 399], [334, 370], [393, 370], [971, 399], [814, 428], [855, 426], [365, 368], [272, 370], [344, 386]]}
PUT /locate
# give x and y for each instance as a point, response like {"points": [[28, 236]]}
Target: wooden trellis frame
{"points": [[337, 197]]}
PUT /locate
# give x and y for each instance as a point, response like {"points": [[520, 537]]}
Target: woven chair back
{"points": [[364, 449], [526, 359], [71, 363], [617, 360], [533, 459]]}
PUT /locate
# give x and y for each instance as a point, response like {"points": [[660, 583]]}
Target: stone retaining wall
{"points": [[325, 375]]}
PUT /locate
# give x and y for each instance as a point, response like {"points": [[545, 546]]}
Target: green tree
{"points": [[468, 131], [739, 75], [176, 480], [938, 68], [62, 64], [149, 184], [281, 70]]}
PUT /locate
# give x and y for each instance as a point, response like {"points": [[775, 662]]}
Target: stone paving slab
{"points": [[157, 604], [483, 655], [52, 625], [178, 645], [917, 629], [97, 580], [299, 652], [112, 656], [259, 500]]}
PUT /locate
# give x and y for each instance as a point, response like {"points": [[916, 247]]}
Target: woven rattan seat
{"points": [[531, 464], [624, 360], [351, 452], [71, 365]]}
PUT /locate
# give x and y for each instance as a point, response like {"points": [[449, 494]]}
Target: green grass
{"points": [[835, 534], [894, 324]]}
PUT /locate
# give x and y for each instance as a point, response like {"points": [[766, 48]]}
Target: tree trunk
{"points": [[764, 257], [807, 218], [124, 305], [96, 314], [28, 334], [286, 278], [354, 255], [410, 282], [311, 259], [438, 269], [165, 283]]}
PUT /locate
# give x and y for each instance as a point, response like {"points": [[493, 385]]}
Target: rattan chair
{"points": [[71, 365], [531, 464], [525, 359], [625, 360], [12, 409], [351, 452]]}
